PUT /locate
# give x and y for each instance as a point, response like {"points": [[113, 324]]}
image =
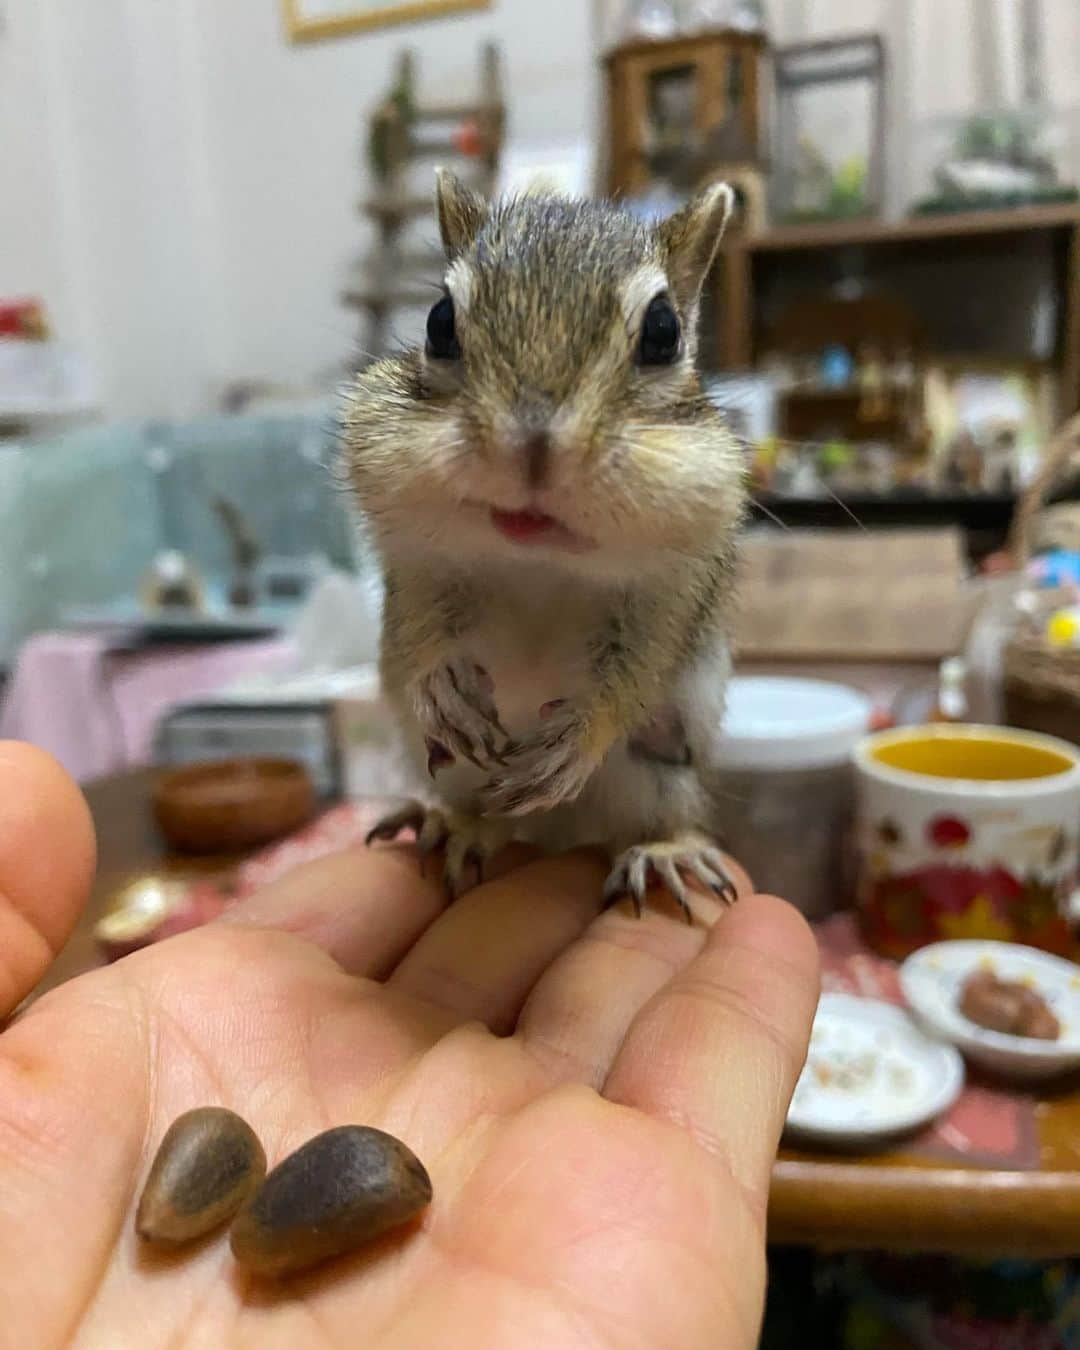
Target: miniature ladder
{"points": [[395, 277]]}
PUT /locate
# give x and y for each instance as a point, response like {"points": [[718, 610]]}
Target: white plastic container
{"points": [[784, 789]]}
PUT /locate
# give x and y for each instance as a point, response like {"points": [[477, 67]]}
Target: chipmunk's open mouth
{"points": [[523, 526], [536, 527]]}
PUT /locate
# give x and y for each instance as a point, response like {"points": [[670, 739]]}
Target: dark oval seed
{"points": [[205, 1168], [338, 1191]]}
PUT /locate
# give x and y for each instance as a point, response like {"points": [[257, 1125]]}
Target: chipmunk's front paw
{"points": [[666, 862], [456, 709], [469, 843], [548, 767]]}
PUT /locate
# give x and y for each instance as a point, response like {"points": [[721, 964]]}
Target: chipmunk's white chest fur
{"points": [[533, 642]]}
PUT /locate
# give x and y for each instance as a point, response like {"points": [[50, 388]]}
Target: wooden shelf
{"points": [[430, 148], [454, 112], [26, 410], [398, 273], [956, 503], [985, 518], [431, 259], [749, 266], [403, 297], [397, 208], [735, 37], [839, 394], [867, 233]]}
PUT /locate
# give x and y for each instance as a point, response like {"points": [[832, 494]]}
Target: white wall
{"points": [[188, 179], [932, 69], [32, 257], [106, 224], [179, 183], [287, 151]]}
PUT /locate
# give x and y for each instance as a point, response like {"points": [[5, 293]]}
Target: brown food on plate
{"points": [[1007, 1006]]}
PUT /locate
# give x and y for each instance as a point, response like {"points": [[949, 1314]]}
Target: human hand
{"points": [[597, 1099]]}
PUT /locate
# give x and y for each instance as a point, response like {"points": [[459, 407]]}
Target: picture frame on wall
{"points": [[313, 20]]}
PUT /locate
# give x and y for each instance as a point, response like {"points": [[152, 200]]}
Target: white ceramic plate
{"points": [[931, 979], [870, 1072]]}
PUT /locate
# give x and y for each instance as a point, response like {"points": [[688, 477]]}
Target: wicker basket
{"points": [[1041, 682]]}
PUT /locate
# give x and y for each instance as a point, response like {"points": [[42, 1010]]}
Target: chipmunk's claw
{"points": [[542, 769], [410, 816], [631, 875], [666, 862], [709, 867], [468, 842], [458, 714], [628, 879], [471, 844], [432, 834], [438, 756]]}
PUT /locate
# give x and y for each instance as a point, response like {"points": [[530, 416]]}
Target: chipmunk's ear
{"points": [[461, 212], [691, 237]]}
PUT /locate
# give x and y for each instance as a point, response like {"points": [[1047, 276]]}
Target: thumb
{"points": [[47, 858]]}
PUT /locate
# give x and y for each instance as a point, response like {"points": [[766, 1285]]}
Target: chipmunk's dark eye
{"points": [[659, 334], [442, 341]]}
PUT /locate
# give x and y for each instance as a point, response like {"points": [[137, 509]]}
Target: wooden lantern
{"points": [[681, 110]]}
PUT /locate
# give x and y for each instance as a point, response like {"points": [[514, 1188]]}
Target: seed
{"points": [[205, 1168], [338, 1191]]}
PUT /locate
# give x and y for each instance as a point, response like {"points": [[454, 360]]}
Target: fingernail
{"points": [[438, 756]]}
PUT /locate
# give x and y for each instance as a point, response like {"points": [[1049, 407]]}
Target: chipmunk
{"points": [[555, 502]]}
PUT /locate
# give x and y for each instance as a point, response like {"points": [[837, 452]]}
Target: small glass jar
{"points": [[650, 19], [783, 792], [702, 15]]}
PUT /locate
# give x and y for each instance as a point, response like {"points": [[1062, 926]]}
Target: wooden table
{"points": [[129, 846], [885, 1200]]}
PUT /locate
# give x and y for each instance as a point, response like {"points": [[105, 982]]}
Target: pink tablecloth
{"points": [[96, 709]]}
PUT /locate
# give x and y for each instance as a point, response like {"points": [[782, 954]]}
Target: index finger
{"points": [[718, 1050], [365, 907]]}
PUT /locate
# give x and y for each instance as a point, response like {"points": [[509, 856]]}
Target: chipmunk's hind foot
{"points": [[667, 862]]}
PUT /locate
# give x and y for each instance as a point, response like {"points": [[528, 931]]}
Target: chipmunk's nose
{"points": [[536, 450], [532, 440]]}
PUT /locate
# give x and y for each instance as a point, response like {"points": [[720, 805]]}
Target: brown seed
{"points": [[338, 1191], [205, 1168]]}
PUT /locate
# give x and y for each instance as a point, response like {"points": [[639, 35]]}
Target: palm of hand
{"points": [[600, 1174]]}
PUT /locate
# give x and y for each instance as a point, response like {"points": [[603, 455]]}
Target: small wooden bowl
{"points": [[232, 804]]}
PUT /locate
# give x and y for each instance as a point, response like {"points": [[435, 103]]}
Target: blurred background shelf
{"points": [[999, 285], [984, 518], [22, 416], [868, 233]]}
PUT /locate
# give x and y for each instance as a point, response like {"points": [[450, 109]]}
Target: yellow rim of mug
{"points": [[867, 761]]}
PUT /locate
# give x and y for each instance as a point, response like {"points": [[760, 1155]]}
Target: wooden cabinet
{"points": [[680, 94]]}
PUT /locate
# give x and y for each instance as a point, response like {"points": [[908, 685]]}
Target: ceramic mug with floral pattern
{"points": [[967, 832]]}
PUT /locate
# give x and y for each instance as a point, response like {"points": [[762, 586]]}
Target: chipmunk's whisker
{"points": [[845, 508], [771, 515]]}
